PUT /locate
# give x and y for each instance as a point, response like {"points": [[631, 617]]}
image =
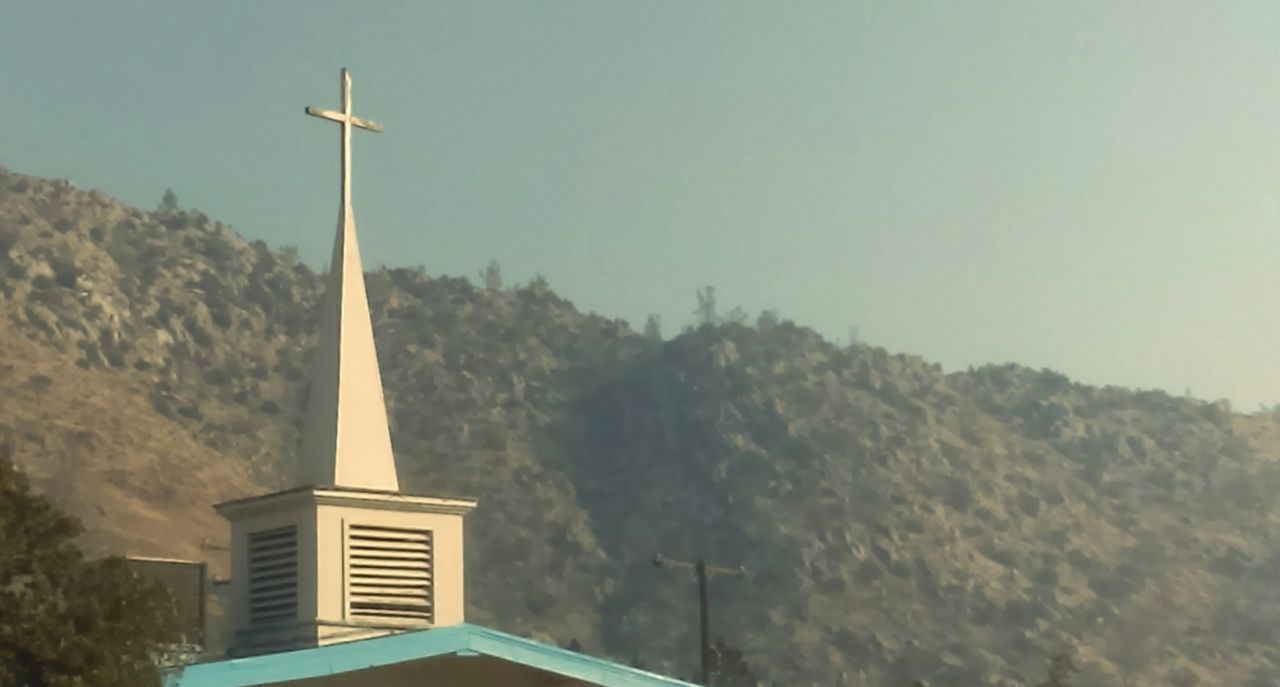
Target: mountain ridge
{"points": [[897, 522]]}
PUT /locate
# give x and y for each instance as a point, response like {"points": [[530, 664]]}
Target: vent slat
{"points": [[385, 529], [390, 533], [392, 574], [266, 604], [376, 553], [268, 542], [273, 580], [373, 593], [388, 543], [286, 532], [281, 583], [392, 611], [275, 571], [398, 558], [378, 549], [376, 567], [280, 592], [409, 604], [409, 587], [263, 563], [270, 559]]}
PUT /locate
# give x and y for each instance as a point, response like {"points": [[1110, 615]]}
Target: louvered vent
{"points": [[390, 573], [273, 575]]}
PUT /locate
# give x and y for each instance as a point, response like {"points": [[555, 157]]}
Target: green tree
{"points": [[1137, 635], [768, 320], [491, 276], [706, 312], [653, 327], [1060, 669], [65, 620], [728, 668], [39, 384], [169, 202]]}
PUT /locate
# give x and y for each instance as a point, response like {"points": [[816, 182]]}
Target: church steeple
{"points": [[346, 441], [344, 555]]}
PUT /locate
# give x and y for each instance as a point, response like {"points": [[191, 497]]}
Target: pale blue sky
{"points": [[1086, 186]]}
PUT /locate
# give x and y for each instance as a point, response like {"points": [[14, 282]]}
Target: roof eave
{"points": [[464, 639]]}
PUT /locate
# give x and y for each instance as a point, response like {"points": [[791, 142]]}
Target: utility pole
{"points": [[701, 570]]}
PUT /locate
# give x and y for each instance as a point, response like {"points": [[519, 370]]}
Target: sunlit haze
{"points": [[1089, 187]]}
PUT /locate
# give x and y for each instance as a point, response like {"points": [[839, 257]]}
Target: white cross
{"points": [[347, 120]]}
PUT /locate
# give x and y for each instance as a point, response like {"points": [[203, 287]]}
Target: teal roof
{"points": [[457, 640]]}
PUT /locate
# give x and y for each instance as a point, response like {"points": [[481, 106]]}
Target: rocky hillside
{"points": [[896, 522]]}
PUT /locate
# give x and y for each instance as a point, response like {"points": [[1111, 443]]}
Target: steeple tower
{"points": [[343, 555]]}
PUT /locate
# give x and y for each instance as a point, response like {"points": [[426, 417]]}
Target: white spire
{"points": [[346, 441], [344, 555]]}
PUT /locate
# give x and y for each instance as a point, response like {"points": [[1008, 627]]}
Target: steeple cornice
{"points": [[352, 498]]}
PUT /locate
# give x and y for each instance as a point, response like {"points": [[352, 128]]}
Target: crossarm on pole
{"points": [[662, 562]]}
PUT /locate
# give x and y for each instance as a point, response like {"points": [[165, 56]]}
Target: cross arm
{"points": [[340, 117], [663, 562]]}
